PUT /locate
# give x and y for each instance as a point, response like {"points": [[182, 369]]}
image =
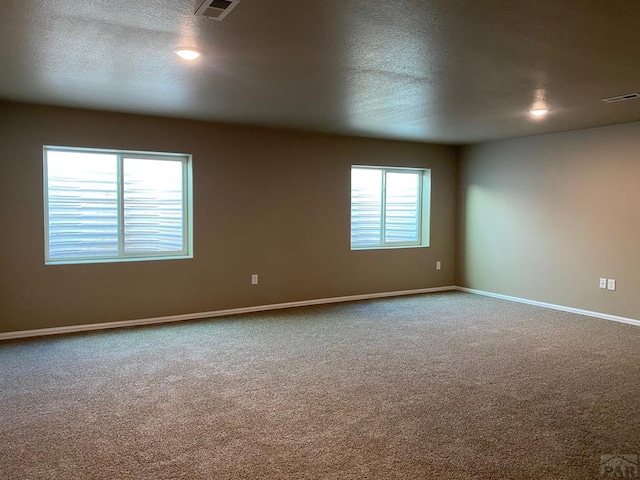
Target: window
{"points": [[111, 206], [389, 207]]}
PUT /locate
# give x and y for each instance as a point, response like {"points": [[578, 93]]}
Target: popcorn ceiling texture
{"points": [[430, 70]]}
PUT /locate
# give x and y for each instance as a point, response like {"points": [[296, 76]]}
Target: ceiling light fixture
{"points": [[538, 112], [187, 53]]}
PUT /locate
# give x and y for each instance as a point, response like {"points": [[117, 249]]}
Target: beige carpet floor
{"points": [[449, 385]]}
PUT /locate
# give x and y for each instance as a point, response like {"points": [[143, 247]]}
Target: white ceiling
{"points": [[449, 71]]}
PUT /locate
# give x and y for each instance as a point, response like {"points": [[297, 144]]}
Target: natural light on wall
{"points": [[389, 207], [116, 206]]}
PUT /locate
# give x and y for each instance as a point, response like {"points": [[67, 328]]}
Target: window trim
{"points": [[424, 203], [122, 256]]}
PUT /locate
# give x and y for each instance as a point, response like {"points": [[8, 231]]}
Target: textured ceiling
{"points": [[433, 70]]}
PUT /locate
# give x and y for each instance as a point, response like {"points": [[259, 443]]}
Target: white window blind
{"points": [[114, 206], [388, 207]]}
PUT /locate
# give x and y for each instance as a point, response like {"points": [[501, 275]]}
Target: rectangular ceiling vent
{"points": [[621, 98], [217, 9]]}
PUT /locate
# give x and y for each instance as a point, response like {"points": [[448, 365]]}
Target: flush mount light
{"points": [[538, 112], [187, 53]]}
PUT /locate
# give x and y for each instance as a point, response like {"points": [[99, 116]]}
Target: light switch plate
{"points": [[611, 284]]}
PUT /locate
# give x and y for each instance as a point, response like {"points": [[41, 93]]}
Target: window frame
{"points": [[424, 203], [122, 256]]}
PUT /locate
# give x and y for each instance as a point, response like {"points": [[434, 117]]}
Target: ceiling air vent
{"points": [[621, 98], [217, 9]]}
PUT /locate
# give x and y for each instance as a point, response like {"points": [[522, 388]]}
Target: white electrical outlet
{"points": [[438, 266], [611, 284], [254, 279], [603, 283]]}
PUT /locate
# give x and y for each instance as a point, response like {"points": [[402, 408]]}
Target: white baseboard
{"points": [[217, 313], [303, 303], [562, 308]]}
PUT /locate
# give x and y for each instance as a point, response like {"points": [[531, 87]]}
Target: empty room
{"points": [[250, 239]]}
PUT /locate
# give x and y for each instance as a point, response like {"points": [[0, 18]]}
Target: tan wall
{"points": [[545, 217], [266, 201]]}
